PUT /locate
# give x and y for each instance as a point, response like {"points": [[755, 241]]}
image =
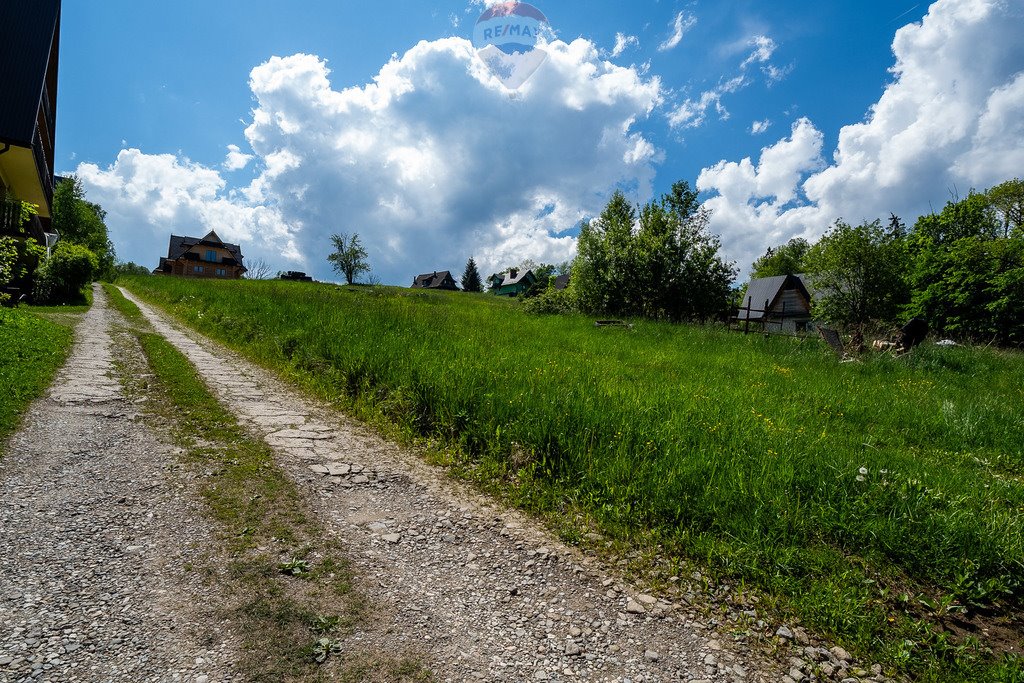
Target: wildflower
{"points": [[860, 477], [863, 471]]}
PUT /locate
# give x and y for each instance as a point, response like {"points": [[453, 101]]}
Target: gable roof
{"points": [[28, 30], [561, 282], [179, 245], [769, 289], [433, 280], [508, 280]]}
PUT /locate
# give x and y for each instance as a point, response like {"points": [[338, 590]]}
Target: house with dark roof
{"points": [[208, 256], [781, 303], [28, 110], [561, 282], [513, 283], [436, 280]]}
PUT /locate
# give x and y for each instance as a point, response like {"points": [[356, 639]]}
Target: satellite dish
{"points": [[51, 239]]}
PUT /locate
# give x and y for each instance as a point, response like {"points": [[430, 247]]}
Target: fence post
{"points": [[746, 319]]}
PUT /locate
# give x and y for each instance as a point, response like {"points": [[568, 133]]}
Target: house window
{"points": [[197, 269], [222, 272], [211, 256]]}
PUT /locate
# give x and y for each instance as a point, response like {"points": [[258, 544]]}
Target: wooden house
{"points": [[514, 283], [435, 280], [29, 47], [208, 257], [780, 304]]}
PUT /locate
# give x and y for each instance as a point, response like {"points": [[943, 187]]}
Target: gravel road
{"points": [[100, 532], [482, 592], [96, 534]]}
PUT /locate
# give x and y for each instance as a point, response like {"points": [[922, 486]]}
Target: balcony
{"points": [[10, 217]]}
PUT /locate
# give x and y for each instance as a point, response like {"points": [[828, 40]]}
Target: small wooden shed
{"points": [[781, 303]]}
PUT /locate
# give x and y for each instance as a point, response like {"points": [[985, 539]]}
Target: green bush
{"points": [[8, 260], [549, 301], [130, 268], [62, 276]]}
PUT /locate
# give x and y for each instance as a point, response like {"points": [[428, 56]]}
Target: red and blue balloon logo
{"points": [[506, 38]]}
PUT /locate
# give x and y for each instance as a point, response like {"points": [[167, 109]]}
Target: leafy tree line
{"points": [[961, 269], [658, 260]]}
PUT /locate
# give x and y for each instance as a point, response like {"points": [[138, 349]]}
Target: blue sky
{"points": [[436, 161]]}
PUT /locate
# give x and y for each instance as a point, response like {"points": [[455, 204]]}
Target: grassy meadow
{"points": [[880, 503], [32, 349]]}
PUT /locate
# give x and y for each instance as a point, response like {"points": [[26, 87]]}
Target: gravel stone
{"points": [[96, 534]]}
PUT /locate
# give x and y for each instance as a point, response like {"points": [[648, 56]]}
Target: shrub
{"points": [[62, 276], [549, 301], [8, 260], [133, 269]]}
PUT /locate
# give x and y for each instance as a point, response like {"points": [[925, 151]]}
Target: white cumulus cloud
{"points": [[236, 160], [952, 117], [150, 196], [431, 162], [758, 127]]}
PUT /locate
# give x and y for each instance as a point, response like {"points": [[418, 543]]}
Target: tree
{"points": [[258, 269], [860, 274], [787, 259], [968, 268], [471, 277], [62, 276], [662, 263], [131, 268], [1007, 200], [81, 222], [349, 257]]}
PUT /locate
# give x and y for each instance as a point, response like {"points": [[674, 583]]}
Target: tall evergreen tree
{"points": [[471, 278]]}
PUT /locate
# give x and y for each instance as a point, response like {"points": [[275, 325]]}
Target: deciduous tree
{"points": [[82, 222], [860, 274], [787, 259], [663, 263], [349, 257]]}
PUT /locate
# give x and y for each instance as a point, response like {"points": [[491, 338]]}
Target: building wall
{"points": [[205, 268]]}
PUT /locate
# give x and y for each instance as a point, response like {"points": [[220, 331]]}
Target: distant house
{"points": [[436, 280], [296, 276], [28, 111], [208, 256], [561, 282], [513, 283], [781, 303]]}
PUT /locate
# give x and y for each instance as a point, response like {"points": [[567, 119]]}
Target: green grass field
{"points": [[879, 503], [31, 351]]}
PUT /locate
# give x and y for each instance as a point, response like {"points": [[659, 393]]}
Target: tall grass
{"points": [[870, 499], [31, 351]]}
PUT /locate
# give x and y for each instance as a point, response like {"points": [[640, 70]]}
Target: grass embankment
{"points": [[881, 503], [32, 349], [293, 590]]}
